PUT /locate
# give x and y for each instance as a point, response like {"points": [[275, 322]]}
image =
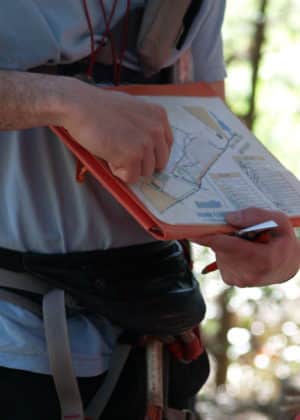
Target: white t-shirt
{"points": [[43, 208]]}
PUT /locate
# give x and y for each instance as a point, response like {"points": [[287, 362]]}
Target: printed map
{"points": [[186, 166], [216, 165]]}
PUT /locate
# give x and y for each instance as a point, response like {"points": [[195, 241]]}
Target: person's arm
{"points": [[133, 136], [243, 263], [30, 100]]}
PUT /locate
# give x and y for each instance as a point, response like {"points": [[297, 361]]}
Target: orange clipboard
{"points": [[122, 193]]}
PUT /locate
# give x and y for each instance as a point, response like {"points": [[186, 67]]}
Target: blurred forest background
{"points": [[253, 334]]}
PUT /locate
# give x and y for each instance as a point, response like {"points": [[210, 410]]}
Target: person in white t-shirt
{"points": [[46, 213]]}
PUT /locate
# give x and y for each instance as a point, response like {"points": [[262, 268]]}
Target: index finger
{"points": [[228, 244], [169, 137], [253, 215]]}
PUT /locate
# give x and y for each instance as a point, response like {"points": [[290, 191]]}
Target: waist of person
{"points": [[146, 289], [127, 272], [103, 73], [113, 259]]}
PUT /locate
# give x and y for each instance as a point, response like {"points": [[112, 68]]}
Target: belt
{"points": [[19, 261], [103, 73]]}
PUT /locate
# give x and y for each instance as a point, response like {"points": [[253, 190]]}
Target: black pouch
{"points": [[145, 289]]}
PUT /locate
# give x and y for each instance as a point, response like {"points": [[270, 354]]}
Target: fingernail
{"points": [[122, 174]]}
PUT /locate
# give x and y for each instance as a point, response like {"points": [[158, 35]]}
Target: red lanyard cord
{"points": [[111, 39], [125, 35], [117, 59], [92, 39]]}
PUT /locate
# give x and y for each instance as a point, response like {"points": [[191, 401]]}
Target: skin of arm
{"points": [[133, 136], [30, 100]]}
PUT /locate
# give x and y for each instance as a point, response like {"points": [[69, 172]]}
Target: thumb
{"points": [[248, 217]]}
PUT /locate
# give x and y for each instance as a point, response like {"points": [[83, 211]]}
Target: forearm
{"points": [[133, 136], [30, 100]]}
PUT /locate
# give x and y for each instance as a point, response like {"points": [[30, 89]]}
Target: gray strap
{"points": [[29, 283], [56, 332], [21, 301], [22, 281], [99, 401], [60, 358]]}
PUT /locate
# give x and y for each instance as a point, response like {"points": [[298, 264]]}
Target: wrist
{"points": [[29, 100], [63, 100]]}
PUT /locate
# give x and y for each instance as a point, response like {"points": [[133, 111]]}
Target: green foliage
{"points": [[278, 90], [262, 342]]}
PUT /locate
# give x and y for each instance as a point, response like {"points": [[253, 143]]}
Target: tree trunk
{"points": [[222, 344], [255, 60]]}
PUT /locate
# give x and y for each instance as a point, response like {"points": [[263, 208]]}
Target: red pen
{"points": [[210, 268], [257, 233]]}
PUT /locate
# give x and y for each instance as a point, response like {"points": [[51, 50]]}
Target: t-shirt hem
{"points": [[212, 74], [83, 368]]}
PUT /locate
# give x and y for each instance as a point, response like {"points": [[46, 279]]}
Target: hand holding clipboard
{"points": [[259, 233], [264, 256]]}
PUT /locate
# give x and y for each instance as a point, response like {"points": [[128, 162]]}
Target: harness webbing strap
{"points": [[28, 283], [60, 358], [22, 281], [18, 300], [54, 305], [101, 398], [57, 338]]}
